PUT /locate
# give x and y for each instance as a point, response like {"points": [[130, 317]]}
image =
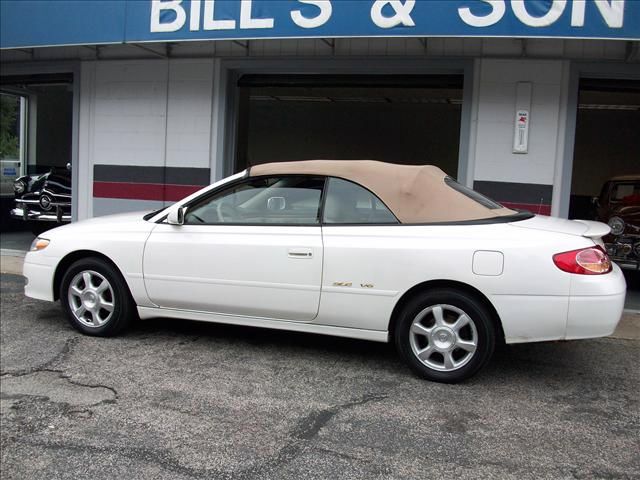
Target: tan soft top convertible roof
{"points": [[414, 193]]}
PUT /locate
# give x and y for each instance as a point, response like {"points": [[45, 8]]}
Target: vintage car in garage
{"points": [[619, 206], [361, 249], [43, 201]]}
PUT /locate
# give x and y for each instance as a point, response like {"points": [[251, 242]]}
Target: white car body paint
{"points": [[218, 268], [343, 280]]}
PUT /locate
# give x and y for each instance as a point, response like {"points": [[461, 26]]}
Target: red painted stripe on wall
{"points": [[143, 191], [531, 207]]}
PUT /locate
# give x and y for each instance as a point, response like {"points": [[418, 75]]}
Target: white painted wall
{"points": [[127, 108], [189, 113], [496, 107], [130, 113]]}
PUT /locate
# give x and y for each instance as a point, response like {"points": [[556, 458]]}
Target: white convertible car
{"points": [[358, 249]]}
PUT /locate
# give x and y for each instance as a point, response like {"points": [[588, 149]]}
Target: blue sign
{"points": [[34, 23]]}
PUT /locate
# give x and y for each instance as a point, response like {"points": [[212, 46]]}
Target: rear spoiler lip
{"points": [[594, 230]]}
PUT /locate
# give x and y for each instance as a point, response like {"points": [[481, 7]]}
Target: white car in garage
{"points": [[359, 249]]}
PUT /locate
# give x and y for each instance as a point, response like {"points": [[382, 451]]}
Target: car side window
{"points": [[349, 203], [287, 200]]}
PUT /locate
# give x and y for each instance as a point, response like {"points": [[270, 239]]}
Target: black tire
{"points": [[450, 302], [118, 297]]}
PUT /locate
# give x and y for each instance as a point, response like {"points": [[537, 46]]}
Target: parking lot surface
{"points": [[182, 400]]}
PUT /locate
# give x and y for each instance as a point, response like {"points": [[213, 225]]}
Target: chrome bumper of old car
{"points": [[56, 215], [625, 252]]}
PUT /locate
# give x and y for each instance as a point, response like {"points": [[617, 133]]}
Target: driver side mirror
{"points": [[595, 201], [176, 216]]}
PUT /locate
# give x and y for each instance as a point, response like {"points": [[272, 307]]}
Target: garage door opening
{"points": [[606, 139], [400, 119], [606, 169], [36, 135]]}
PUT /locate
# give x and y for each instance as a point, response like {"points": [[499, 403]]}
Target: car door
{"points": [[252, 249], [362, 264]]}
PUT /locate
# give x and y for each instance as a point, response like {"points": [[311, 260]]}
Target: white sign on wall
{"points": [[521, 135], [524, 91]]}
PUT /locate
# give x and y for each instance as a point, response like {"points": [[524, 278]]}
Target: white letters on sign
{"points": [[322, 18], [194, 20], [210, 23], [402, 13], [497, 12], [246, 21], [157, 7], [520, 11], [172, 15], [612, 12]]}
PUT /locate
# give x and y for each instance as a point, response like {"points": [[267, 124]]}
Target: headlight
{"points": [[19, 187], [617, 225], [39, 244]]}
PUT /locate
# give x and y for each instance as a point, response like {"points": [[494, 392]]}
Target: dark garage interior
{"points": [[399, 119], [606, 139]]}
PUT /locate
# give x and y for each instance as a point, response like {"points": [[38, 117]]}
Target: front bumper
{"points": [[34, 215], [39, 278]]}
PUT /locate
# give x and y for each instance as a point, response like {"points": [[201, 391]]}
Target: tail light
{"points": [[586, 261]]}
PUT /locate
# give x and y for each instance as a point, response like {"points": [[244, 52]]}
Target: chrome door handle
{"points": [[300, 253]]}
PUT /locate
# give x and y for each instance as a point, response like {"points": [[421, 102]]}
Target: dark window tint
{"points": [[291, 200], [472, 194], [348, 203]]}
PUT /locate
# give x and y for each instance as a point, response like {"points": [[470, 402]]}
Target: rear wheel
{"points": [[445, 335], [95, 298]]}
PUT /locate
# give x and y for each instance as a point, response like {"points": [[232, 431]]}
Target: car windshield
{"points": [[628, 193]]}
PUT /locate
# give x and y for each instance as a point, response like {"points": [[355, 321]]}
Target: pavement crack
{"points": [[302, 434], [53, 385], [89, 385], [66, 349], [309, 426], [161, 458]]}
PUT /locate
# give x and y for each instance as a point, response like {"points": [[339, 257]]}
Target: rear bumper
{"points": [[595, 305], [592, 309]]}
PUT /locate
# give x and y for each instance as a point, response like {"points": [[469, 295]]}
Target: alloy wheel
{"points": [[91, 298], [443, 337]]}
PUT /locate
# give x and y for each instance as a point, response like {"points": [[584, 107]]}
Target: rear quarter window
{"points": [[472, 194]]}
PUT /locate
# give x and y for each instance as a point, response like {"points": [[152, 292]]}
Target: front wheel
{"points": [[445, 335], [95, 298]]}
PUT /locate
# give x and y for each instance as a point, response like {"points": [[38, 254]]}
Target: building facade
{"points": [[535, 103]]}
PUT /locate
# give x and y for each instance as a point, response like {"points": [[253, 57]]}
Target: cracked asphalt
{"points": [[183, 400]]}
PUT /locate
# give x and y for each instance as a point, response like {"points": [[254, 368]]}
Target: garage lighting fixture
{"points": [[295, 98], [596, 106], [362, 99], [263, 98]]}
